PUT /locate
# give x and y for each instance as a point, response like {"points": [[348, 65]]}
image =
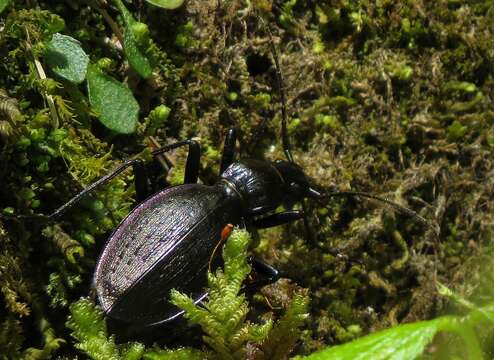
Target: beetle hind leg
{"points": [[141, 182]]}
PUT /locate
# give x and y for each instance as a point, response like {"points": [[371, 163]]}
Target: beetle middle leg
{"points": [[193, 158]]}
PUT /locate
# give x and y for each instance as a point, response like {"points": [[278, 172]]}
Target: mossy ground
{"points": [[392, 98]]}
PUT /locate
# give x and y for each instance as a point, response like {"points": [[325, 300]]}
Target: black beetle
{"points": [[167, 241]]}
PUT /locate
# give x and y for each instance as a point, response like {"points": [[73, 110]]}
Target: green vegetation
{"points": [[136, 42], [120, 116], [66, 58], [392, 98], [166, 4], [408, 341]]}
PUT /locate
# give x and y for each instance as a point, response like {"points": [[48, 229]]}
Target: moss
{"points": [[389, 98], [223, 318], [88, 327]]}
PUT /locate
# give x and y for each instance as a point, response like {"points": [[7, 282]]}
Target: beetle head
{"points": [[297, 183]]}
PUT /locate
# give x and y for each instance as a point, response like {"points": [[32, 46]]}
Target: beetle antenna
{"points": [[402, 209], [279, 78], [284, 131]]}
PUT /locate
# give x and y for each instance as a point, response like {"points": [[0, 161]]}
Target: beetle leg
{"points": [[308, 229], [193, 158], [267, 274], [141, 185], [280, 218], [228, 155], [141, 180]]}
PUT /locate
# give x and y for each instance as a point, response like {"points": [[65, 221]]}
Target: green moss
{"points": [[223, 316], [88, 327], [156, 119], [184, 37], [178, 354], [456, 131], [389, 98]]}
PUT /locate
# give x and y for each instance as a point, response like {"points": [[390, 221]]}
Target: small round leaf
{"points": [[117, 108], [66, 58]]}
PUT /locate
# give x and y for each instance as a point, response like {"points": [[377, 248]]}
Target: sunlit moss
{"points": [[381, 96]]}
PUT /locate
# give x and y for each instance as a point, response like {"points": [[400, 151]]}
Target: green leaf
{"points": [[402, 342], [135, 42], [166, 4], [66, 58], [118, 109], [3, 5], [482, 314]]}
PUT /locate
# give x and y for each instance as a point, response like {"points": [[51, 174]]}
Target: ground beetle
{"points": [[167, 241]]}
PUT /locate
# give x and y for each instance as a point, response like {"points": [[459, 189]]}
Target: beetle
{"points": [[167, 240]]}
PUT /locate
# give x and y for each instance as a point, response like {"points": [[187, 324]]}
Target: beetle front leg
{"points": [[193, 158], [276, 219]]}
